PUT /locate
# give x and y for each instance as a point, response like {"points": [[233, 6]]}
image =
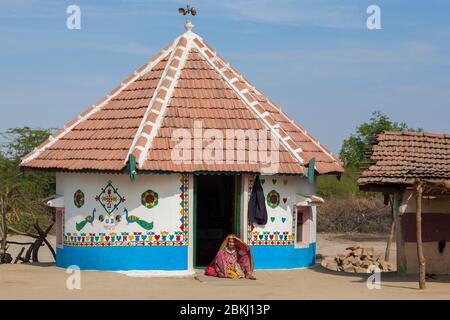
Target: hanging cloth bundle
{"points": [[257, 211]]}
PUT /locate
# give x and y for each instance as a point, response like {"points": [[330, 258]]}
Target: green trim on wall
{"points": [[132, 167], [311, 170], [237, 214]]}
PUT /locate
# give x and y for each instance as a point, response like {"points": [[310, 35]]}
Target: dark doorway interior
{"points": [[214, 215]]}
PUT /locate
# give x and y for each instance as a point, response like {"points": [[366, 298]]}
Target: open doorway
{"points": [[216, 214]]}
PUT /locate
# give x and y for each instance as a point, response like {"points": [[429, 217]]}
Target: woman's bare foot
{"points": [[250, 277]]}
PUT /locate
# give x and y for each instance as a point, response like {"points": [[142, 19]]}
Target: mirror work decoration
{"points": [[273, 199], [78, 198], [149, 199]]}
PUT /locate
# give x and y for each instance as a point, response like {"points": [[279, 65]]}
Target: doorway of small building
{"points": [[216, 214]]}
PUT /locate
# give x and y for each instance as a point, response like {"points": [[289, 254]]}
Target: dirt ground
{"points": [[330, 244], [45, 281]]}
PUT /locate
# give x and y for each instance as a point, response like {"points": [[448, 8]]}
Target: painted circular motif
{"points": [[149, 199], [273, 199], [78, 198]]}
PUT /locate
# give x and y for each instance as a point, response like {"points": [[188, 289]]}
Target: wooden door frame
{"points": [[237, 183]]}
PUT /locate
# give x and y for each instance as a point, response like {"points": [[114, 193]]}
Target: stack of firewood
{"points": [[356, 259]]}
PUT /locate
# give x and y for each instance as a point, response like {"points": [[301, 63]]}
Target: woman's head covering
{"points": [[241, 247]]}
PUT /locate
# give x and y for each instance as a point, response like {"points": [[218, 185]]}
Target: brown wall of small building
{"points": [[435, 233]]}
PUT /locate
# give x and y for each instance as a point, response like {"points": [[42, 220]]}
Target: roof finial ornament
{"points": [[188, 25], [192, 11]]}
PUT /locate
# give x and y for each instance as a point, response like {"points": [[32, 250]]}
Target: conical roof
{"points": [[184, 88]]}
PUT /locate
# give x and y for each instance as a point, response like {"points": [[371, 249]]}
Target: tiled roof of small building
{"points": [[184, 83], [402, 157]]}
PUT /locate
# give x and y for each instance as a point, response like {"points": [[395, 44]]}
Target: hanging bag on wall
{"points": [[257, 212]]}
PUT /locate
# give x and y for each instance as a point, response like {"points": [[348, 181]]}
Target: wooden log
{"points": [[27, 234], [43, 239], [18, 242], [391, 234], [400, 242], [389, 243], [4, 229], [35, 252], [19, 256], [51, 248], [421, 258], [27, 257]]}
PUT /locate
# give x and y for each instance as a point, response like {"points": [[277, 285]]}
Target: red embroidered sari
{"points": [[234, 264]]}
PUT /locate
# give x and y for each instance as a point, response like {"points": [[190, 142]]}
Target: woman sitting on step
{"points": [[234, 260]]}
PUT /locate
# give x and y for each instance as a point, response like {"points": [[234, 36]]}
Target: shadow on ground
{"points": [[41, 264], [200, 276], [388, 279], [355, 237]]}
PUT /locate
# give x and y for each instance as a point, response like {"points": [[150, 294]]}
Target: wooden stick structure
{"points": [[41, 240], [4, 233], [391, 234], [32, 254], [389, 243], [420, 256]]}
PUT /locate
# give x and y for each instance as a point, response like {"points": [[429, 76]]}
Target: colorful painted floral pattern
{"points": [[109, 198], [78, 198], [149, 199], [273, 199]]}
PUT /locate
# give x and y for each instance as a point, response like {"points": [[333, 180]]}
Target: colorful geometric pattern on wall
{"points": [[294, 221], [110, 198], [184, 227], [78, 198], [149, 238], [179, 237], [273, 199], [149, 199], [279, 238]]}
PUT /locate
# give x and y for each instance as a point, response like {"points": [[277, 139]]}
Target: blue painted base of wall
{"points": [[124, 258], [283, 257], [174, 258]]}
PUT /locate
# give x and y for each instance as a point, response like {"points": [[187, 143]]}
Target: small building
{"points": [[413, 168], [155, 174]]}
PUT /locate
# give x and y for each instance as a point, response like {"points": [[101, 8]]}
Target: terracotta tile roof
{"points": [[185, 84], [401, 157]]}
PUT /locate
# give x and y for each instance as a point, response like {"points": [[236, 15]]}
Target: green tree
{"points": [[21, 141], [355, 150], [355, 153], [21, 192]]}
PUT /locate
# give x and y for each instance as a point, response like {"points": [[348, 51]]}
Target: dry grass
{"points": [[365, 215]]}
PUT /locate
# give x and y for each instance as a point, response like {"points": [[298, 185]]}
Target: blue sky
{"points": [[316, 59]]}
